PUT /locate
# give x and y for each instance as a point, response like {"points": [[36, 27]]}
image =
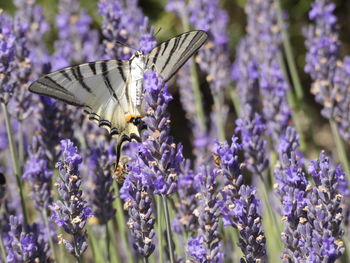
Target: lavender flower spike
{"points": [[137, 195], [324, 211], [7, 57], [25, 246], [38, 175], [101, 169], [251, 129], [239, 205], [161, 155], [206, 247], [71, 212]]}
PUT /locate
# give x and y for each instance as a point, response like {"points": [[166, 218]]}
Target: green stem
{"points": [[218, 102], [197, 96], [15, 164], [20, 145], [168, 229], [145, 260], [289, 54], [195, 83], [2, 249], [340, 147], [108, 242], [95, 248], [235, 101], [160, 223], [47, 224], [120, 218]]}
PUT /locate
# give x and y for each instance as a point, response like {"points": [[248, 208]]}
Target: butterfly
{"points": [[111, 91]]}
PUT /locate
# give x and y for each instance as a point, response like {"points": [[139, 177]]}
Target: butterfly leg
{"points": [[123, 139]]}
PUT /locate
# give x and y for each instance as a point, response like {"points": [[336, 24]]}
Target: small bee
{"points": [[121, 169]]}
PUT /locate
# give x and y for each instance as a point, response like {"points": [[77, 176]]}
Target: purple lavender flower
{"points": [[101, 167], [341, 113], [77, 42], [329, 74], [179, 7], [187, 189], [206, 247], [324, 210], [124, 23], [71, 212], [38, 175], [137, 195], [160, 154], [247, 213], [245, 72], [32, 15], [251, 130], [292, 187], [323, 52], [239, 205], [25, 246], [7, 56], [2, 186], [264, 43], [206, 15]]}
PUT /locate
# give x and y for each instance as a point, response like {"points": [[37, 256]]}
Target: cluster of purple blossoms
{"points": [[239, 206], [260, 63], [124, 22], [324, 211], [100, 164], [38, 175], [251, 129], [206, 15], [77, 42], [137, 194], [159, 153], [72, 211], [25, 245], [206, 247], [313, 214], [32, 15], [245, 73], [7, 56], [329, 74], [186, 221]]}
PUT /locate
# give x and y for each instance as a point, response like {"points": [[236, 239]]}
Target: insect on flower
{"points": [[111, 91]]}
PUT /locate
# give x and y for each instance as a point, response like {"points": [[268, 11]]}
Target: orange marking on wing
{"points": [[128, 118]]}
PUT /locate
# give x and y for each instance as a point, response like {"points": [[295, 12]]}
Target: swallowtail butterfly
{"points": [[111, 91]]}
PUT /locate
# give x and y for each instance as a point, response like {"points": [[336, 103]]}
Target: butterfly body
{"points": [[111, 91]]}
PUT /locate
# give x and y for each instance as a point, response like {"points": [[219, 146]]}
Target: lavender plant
{"points": [[177, 207], [72, 211], [239, 205], [206, 247], [325, 67], [25, 245]]}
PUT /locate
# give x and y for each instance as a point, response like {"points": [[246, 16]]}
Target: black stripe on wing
{"points": [[169, 56]]}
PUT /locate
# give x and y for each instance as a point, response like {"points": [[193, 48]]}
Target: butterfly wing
{"points": [[99, 87], [169, 56]]}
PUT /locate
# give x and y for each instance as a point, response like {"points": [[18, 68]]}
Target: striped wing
{"points": [[169, 56], [98, 86]]}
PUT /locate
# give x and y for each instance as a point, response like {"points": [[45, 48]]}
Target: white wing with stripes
{"points": [[169, 56], [98, 86]]}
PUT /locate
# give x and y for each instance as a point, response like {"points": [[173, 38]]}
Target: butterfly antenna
{"points": [[126, 45], [160, 28]]}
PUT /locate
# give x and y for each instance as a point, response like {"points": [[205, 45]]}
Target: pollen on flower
{"points": [[147, 240], [127, 204], [302, 220], [130, 224], [76, 220]]}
